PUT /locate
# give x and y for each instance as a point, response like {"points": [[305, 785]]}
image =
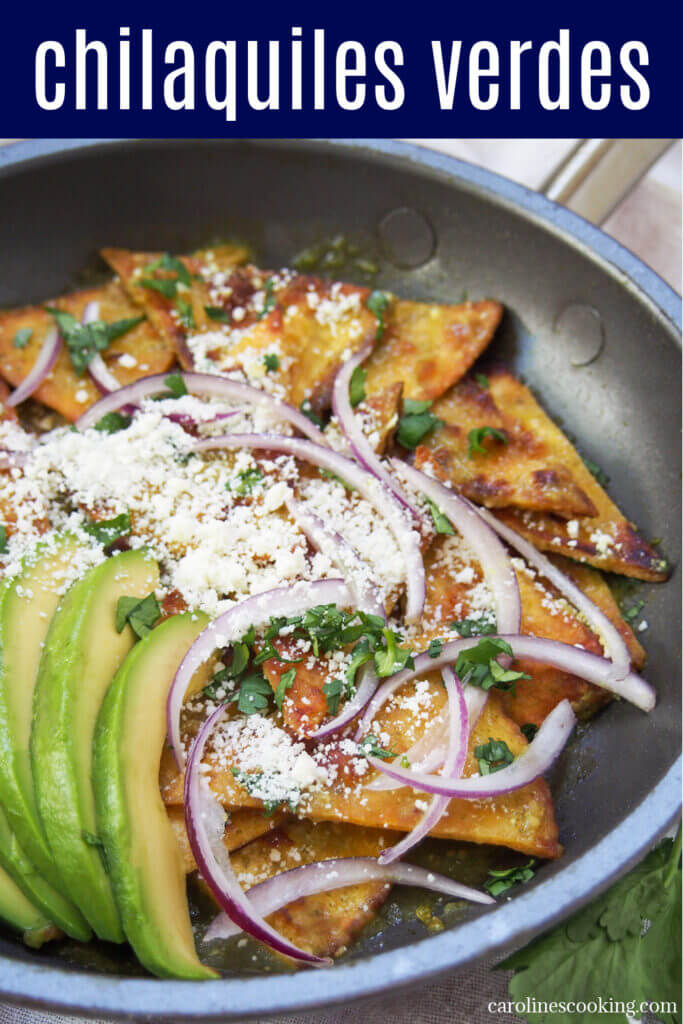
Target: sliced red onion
{"points": [[351, 428], [368, 486], [612, 641], [205, 384], [576, 661], [102, 375], [454, 762], [536, 759], [47, 357], [338, 872], [428, 753], [486, 547], [344, 555], [91, 312], [231, 626], [205, 821]]}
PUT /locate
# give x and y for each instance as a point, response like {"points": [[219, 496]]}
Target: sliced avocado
{"points": [[27, 603], [142, 853], [46, 901], [16, 909], [82, 653]]}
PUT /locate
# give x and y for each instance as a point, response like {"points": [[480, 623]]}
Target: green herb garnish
{"points": [[493, 756], [22, 337], [435, 648], [141, 614], [3, 539], [269, 302], [370, 746], [307, 410], [474, 627], [286, 683], [217, 313], [166, 286], [186, 313], [477, 435], [482, 380], [441, 523], [271, 361], [631, 612], [176, 386], [415, 423], [106, 531], [254, 694], [112, 422], [479, 666], [500, 881], [357, 386], [333, 691], [247, 479], [85, 341], [378, 303], [329, 475]]}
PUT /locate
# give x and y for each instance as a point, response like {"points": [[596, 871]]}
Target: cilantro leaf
{"points": [[435, 648], [391, 658], [269, 302], [476, 437], [85, 341], [307, 410], [286, 683], [370, 746], [248, 479], [500, 881], [166, 286], [255, 693], [218, 314], [172, 264], [112, 422], [415, 423], [474, 627], [631, 612], [441, 523], [271, 361], [141, 614], [479, 666], [22, 337], [333, 691], [329, 475], [186, 313], [357, 386], [626, 944], [482, 380], [378, 303], [176, 386], [493, 756], [3, 539], [106, 531]]}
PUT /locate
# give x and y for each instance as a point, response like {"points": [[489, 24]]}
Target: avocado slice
{"points": [[27, 603], [82, 652], [141, 850], [15, 910]]}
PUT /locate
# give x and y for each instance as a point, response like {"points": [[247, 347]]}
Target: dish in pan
{"points": [[341, 599]]}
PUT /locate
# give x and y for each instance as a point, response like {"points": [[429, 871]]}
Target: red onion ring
{"points": [[486, 547], [97, 368], [206, 384], [228, 628], [454, 762], [336, 873], [213, 859], [574, 660], [47, 357], [536, 759], [612, 641], [351, 428], [368, 486]]}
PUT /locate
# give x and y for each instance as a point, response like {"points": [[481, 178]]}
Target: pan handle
{"points": [[598, 173]]}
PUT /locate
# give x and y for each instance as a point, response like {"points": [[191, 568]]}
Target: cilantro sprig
{"points": [[493, 756], [441, 522], [370, 746], [22, 337], [500, 881], [85, 341], [378, 303], [476, 437], [141, 614], [357, 386], [479, 665], [416, 422], [106, 531]]}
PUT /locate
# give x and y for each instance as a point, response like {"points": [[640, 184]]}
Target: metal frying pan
{"points": [[572, 295]]}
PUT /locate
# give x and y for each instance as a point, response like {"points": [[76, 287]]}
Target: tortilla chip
{"points": [[164, 311], [428, 347], [607, 541], [520, 471], [324, 924], [63, 390], [7, 412], [379, 416]]}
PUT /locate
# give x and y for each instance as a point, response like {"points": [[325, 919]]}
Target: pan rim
{"points": [[92, 994]]}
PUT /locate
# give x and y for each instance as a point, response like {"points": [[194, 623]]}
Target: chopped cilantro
{"points": [[482, 380], [22, 337], [269, 302], [493, 756], [479, 666], [329, 475], [529, 730], [333, 691], [369, 746], [252, 783], [248, 479], [357, 386], [435, 648], [112, 422], [477, 435], [176, 386], [3, 539], [255, 693], [391, 658], [441, 523], [631, 612], [85, 341], [415, 423], [185, 313], [271, 361], [500, 881], [308, 412], [166, 286], [378, 303], [286, 683], [474, 627], [106, 531], [140, 613], [597, 472], [217, 313]]}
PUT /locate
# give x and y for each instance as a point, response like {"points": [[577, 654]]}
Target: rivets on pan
{"points": [[407, 238], [583, 333]]}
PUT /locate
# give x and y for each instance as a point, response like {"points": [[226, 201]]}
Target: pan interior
{"points": [[432, 237]]}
